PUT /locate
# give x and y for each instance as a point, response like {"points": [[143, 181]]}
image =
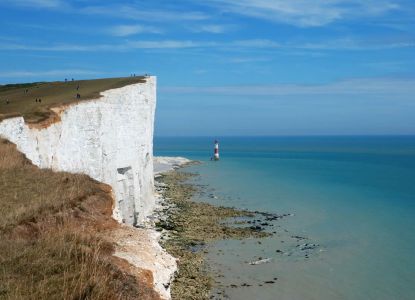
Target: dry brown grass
{"points": [[28, 193], [53, 236], [22, 103]]}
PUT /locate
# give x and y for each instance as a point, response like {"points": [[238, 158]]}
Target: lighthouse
{"points": [[216, 154]]}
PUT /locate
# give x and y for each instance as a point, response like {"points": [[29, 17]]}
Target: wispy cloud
{"points": [[211, 28], [122, 10], [127, 30], [331, 45], [256, 43], [131, 45], [377, 86], [305, 13], [139, 13], [355, 44], [47, 73], [166, 44], [37, 3], [140, 44], [59, 47]]}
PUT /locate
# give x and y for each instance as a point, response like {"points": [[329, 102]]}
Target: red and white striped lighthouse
{"points": [[216, 154]]}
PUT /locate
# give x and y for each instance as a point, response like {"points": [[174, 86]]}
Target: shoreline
{"points": [[188, 227], [141, 245]]}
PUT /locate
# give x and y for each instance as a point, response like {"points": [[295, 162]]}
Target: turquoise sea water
{"points": [[353, 197]]}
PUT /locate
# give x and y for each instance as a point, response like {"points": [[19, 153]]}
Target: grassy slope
{"points": [[52, 94], [54, 236]]}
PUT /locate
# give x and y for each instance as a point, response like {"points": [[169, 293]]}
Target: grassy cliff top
{"points": [[20, 99]]}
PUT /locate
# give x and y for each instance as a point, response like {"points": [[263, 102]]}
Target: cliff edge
{"points": [[109, 138]]}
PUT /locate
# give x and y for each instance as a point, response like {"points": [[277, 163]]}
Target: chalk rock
{"points": [[261, 261], [109, 139]]}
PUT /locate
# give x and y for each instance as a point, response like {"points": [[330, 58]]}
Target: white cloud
{"points": [[141, 44], [355, 44], [374, 86], [335, 44], [255, 43], [60, 47], [138, 13], [162, 44], [305, 13], [301, 13], [127, 30], [37, 3], [48, 73], [211, 29], [166, 44], [119, 10]]}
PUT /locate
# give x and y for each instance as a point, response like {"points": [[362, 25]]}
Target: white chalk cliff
{"points": [[109, 139]]}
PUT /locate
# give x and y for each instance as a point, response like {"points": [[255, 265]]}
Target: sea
{"points": [[348, 202]]}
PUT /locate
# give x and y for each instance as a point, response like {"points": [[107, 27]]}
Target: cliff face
{"points": [[109, 139]]}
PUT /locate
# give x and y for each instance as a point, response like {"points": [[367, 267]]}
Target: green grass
{"points": [[7, 87], [21, 97]]}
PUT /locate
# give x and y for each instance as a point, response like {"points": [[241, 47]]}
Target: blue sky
{"points": [[231, 67]]}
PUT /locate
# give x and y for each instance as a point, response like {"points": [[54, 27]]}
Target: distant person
{"points": [[40, 100], [78, 96], [77, 87], [7, 101], [36, 100]]}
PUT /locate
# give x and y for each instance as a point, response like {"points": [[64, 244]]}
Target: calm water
{"points": [[353, 196]]}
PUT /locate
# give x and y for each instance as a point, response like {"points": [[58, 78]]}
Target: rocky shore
{"points": [[187, 228]]}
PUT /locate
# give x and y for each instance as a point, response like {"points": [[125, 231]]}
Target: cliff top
{"points": [[23, 99]]}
